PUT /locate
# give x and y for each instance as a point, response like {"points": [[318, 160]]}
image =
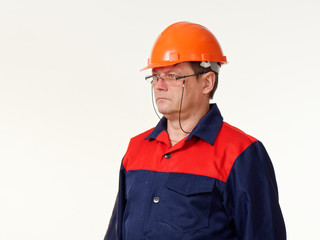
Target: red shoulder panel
{"points": [[195, 156]]}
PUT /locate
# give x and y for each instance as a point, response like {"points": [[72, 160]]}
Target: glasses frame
{"points": [[177, 77]]}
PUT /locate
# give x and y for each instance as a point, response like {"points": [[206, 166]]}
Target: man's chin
{"points": [[163, 111], [167, 112]]}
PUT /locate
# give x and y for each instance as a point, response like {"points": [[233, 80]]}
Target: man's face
{"points": [[168, 95]]}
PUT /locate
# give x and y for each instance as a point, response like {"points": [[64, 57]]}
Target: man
{"points": [[193, 176]]}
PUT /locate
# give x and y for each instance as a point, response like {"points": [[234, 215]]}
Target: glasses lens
{"points": [[170, 78]]}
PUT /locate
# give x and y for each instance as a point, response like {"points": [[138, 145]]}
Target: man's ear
{"points": [[208, 82]]}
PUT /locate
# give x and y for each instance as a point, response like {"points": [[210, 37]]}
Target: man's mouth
{"points": [[161, 98]]}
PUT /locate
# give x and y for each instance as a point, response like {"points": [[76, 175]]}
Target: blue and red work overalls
{"points": [[217, 184]]}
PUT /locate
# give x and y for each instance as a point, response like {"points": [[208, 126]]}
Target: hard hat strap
{"points": [[213, 65]]}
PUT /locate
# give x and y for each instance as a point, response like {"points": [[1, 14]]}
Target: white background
{"points": [[71, 96]]}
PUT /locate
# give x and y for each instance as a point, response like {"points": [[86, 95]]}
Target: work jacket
{"points": [[216, 184]]}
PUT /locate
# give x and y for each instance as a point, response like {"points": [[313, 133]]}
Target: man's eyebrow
{"points": [[165, 72]]}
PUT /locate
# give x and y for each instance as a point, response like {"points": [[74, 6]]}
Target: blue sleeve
{"points": [[114, 231], [251, 196]]}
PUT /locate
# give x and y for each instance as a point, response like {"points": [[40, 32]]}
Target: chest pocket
{"points": [[186, 201]]}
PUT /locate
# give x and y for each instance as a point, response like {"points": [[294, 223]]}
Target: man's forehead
{"points": [[177, 66]]}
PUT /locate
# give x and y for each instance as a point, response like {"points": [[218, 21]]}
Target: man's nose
{"points": [[160, 83]]}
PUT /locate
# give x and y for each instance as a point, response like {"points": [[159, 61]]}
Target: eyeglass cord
{"points": [[154, 108], [153, 105], [184, 81]]}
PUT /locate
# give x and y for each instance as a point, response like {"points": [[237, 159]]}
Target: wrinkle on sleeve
{"points": [[251, 196]]}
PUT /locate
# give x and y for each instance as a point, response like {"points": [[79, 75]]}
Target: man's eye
{"points": [[172, 76]]}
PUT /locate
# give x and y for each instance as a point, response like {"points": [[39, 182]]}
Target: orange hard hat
{"points": [[183, 42]]}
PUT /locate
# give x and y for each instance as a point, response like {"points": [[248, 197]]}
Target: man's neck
{"points": [[187, 123]]}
